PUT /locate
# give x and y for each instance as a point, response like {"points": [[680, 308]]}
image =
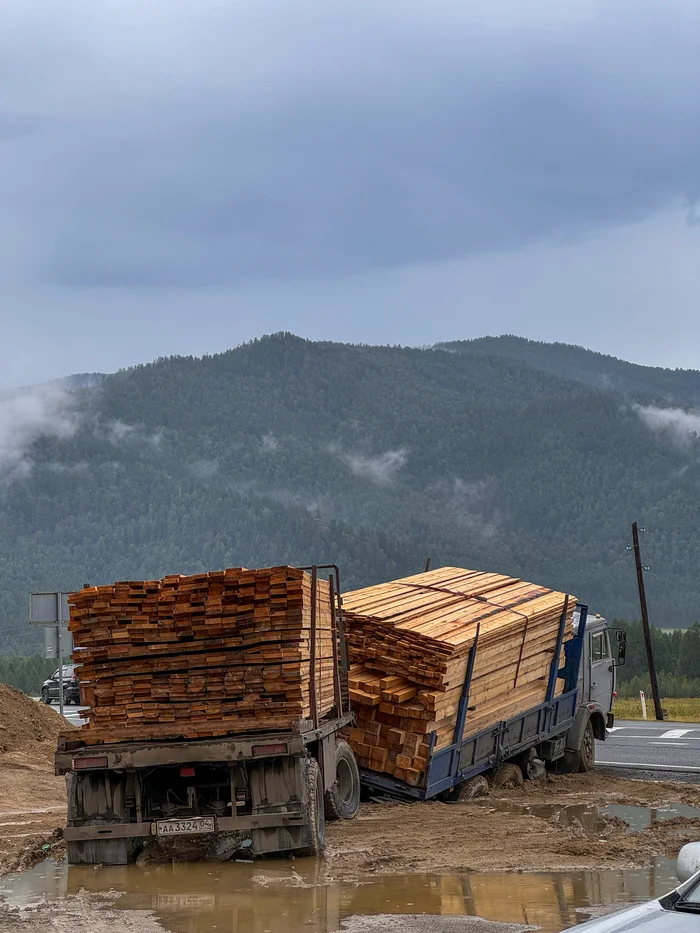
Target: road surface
{"points": [[74, 714], [659, 750]]}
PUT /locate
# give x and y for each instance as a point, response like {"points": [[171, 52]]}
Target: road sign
{"points": [[51, 610], [48, 608], [53, 649]]}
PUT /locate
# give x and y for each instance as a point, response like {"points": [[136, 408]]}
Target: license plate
{"points": [[200, 824]]}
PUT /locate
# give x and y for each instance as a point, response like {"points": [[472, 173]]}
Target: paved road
{"points": [[72, 713], [652, 749]]}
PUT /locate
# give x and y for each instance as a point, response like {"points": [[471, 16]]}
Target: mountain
{"points": [[285, 450], [649, 384]]}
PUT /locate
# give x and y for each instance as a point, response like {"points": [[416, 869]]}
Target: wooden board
{"points": [[409, 641], [234, 646]]}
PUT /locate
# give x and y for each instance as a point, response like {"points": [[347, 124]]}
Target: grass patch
{"points": [[679, 710]]}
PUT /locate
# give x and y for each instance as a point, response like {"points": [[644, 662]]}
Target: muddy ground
{"points": [[481, 836], [393, 837], [32, 799], [387, 838]]}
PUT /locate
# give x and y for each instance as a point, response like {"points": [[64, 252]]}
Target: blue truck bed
{"points": [[489, 748]]}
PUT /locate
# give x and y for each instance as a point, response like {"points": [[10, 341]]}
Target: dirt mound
{"points": [[26, 724]]}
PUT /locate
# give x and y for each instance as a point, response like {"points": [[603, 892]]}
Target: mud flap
{"points": [[99, 852], [96, 798], [575, 734], [279, 785]]}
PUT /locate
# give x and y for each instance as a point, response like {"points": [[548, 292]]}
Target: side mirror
{"points": [[621, 654], [688, 861]]}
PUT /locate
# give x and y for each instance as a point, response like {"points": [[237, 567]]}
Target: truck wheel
{"points": [[475, 787], [509, 775], [587, 753], [342, 800], [314, 811], [527, 762]]}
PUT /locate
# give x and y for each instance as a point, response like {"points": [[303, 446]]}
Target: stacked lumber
{"points": [[409, 643], [203, 655]]}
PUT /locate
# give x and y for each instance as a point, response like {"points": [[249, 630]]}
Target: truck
{"points": [[246, 794], [267, 792], [560, 732]]}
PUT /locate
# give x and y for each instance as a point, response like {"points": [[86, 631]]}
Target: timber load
{"points": [[205, 655], [410, 643]]}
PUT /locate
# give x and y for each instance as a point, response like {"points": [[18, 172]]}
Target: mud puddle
{"points": [[592, 817], [298, 896]]}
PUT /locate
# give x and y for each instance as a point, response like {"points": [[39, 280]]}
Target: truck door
{"points": [[602, 670]]}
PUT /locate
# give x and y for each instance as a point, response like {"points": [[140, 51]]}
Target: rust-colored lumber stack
{"points": [[410, 642], [203, 655]]}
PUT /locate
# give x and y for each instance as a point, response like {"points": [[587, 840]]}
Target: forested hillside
{"points": [[285, 450], [646, 384]]}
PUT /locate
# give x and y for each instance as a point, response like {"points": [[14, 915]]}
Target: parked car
{"points": [[71, 687], [672, 913]]}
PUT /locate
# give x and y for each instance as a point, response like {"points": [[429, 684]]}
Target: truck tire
{"points": [[527, 762], [342, 800], [579, 760], [587, 750], [509, 775], [314, 811], [475, 787]]}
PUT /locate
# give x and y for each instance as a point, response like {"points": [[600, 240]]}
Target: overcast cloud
{"points": [[426, 170]]}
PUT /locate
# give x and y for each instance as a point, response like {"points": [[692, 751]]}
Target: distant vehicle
{"points": [[672, 913], [71, 687]]}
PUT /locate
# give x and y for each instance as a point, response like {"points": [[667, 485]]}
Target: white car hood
{"points": [[648, 918]]}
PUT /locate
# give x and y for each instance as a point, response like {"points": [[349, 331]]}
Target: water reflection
{"points": [[592, 818], [296, 896]]}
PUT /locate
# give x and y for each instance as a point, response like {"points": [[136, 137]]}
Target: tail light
{"points": [[259, 751], [82, 764]]}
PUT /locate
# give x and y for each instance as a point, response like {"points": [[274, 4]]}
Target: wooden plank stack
{"points": [[204, 655], [409, 643]]}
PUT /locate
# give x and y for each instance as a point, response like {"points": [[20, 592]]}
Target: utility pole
{"points": [[645, 623]]}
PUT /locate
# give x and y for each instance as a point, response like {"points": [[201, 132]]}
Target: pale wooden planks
{"points": [[410, 641]]}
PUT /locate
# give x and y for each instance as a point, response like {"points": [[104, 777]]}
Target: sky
{"points": [[179, 177]]}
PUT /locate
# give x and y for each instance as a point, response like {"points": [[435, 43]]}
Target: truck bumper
{"points": [[224, 824]]}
